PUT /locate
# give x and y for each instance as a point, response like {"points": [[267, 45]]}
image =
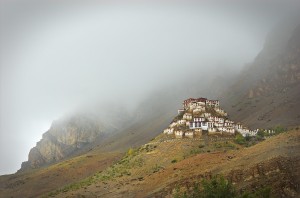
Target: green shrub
{"points": [[239, 139], [260, 134], [174, 161], [264, 192], [218, 187], [279, 129], [195, 151], [130, 152], [248, 138]]}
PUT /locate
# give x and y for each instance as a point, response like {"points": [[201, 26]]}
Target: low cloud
{"points": [[58, 57]]}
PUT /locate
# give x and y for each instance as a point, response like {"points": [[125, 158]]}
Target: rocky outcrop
{"points": [[64, 137]]}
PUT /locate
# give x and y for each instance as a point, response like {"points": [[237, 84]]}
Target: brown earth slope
{"points": [[98, 155], [154, 172], [39, 181]]}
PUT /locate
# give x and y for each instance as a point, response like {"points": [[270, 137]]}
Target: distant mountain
{"points": [[267, 92], [112, 127], [64, 137], [76, 134]]}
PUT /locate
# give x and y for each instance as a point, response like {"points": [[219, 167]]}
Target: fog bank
{"points": [[56, 57]]}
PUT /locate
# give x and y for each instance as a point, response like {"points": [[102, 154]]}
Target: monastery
{"points": [[203, 115]]}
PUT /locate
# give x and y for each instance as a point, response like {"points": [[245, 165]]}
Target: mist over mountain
{"points": [[59, 59], [267, 92], [264, 94], [113, 124], [72, 135], [90, 93]]}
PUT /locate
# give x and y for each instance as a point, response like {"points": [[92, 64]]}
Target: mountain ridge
{"points": [[266, 93]]}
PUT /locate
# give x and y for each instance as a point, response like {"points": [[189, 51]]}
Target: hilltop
{"points": [[203, 116]]}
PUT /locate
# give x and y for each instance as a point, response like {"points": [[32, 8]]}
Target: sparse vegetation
{"points": [[279, 129], [229, 145], [156, 168], [248, 141], [260, 134], [120, 169], [136, 165], [130, 152], [217, 145], [148, 148], [195, 151], [239, 139], [219, 187], [263, 192]]}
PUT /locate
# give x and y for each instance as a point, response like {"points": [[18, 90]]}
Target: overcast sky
{"points": [[57, 56]]}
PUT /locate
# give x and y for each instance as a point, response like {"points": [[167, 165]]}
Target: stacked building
{"points": [[203, 115]]}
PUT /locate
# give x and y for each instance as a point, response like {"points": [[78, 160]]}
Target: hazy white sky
{"points": [[55, 57]]}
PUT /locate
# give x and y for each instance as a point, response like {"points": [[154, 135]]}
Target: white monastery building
{"points": [[203, 115]]}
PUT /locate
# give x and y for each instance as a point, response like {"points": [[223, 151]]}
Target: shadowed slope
{"points": [[267, 93]]}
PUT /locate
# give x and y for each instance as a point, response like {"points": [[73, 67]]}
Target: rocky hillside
{"points": [[39, 181], [78, 133], [159, 167], [65, 137], [267, 92], [110, 128]]}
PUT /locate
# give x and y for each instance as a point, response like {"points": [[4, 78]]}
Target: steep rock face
{"points": [[64, 138], [267, 92]]}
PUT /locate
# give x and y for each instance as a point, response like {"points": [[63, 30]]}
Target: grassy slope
{"points": [[37, 182], [43, 180], [125, 177], [229, 163], [150, 171]]}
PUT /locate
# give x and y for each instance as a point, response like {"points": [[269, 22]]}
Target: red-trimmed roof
{"points": [[195, 100]]}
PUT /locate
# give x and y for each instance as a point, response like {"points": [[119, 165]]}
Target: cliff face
{"points": [[64, 138], [267, 92]]}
